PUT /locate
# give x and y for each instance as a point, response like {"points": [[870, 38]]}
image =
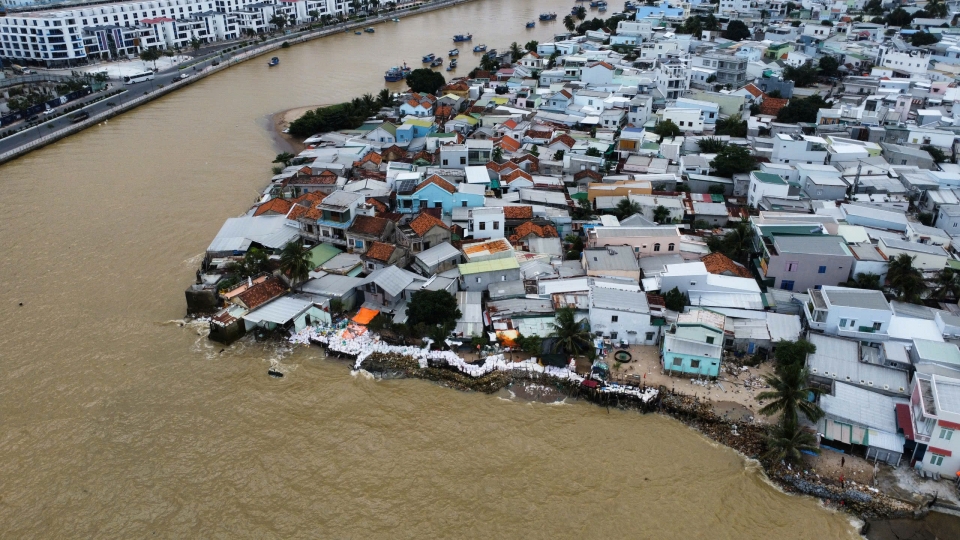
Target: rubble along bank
{"points": [[747, 439]]}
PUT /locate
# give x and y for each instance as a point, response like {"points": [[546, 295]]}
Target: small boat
{"points": [[492, 53], [454, 52], [462, 37], [276, 374], [395, 19], [429, 58], [453, 62], [437, 62], [548, 16], [369, 30], [602, 9], [598, 3], [531, 24], [273, 61], [480, 48], [359, 33]]}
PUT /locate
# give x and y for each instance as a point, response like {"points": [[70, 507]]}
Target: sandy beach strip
{"points": [[282, 121]]}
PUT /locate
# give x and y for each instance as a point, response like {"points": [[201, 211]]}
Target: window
{"points": [[822, 270], [496, 225], [445, 162], [463, 160], [677, 361], [946, 434], [463, 204], [936, 459], [483, 225], [613, 335], [877, 325], [786, 285], [616, 318], [656, 247], [792, 266], [670, 247], [358, 243], [695, 364], [843, 322], [478, 280], [853, 322], [710, 340], [649, 336]]}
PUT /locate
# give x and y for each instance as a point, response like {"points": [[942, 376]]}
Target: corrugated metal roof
{"points": [[861, 406], [391, 279], [619, 258], [619, 300], [672, 343], [279, 311], [783, 326], [724, 299], [839, 359], [493, 265], [471, 310], [438, 254], [331, 285], [238, 233], [814, 244]]}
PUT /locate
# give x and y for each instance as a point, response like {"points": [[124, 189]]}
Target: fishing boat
{"points": [[358, 33], [273, 61], [480, 48], [396, 73], [275, 373], [602, 9], [437, 62], [462, 37], [492, 53], [369, 30], [548, 16], [429, 58], [454, 52], [531, 24], [395, 19], [598, 3], [453, 64]]}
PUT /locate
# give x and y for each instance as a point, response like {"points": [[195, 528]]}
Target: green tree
{"points": [[667, 129], [580, 12], [864, 280], [515, 51], [691, 26], [284, 158], [736, 31], [295, 261], [432, 308], [734, 126], [195, 45], [710, 23], [792, 354], [736, 244], [946, 285], [661, 214], [732, 160], [675, 300], [255, 261], [497, 154], [532, 345], [385, 98], [936, 8], [802, 76], [788, 394], [572, 337], [829, 65], [904, 280], [593, 152], [935, 153], [279, 21], [923, 38], [583, 210], [898, 17], [626, 208], [336, 307], [425, 81], [711, 145], [314, 14], [151, 55], [531, 46], [568, 23], [786, 442], [558, 155], [802, 110]]}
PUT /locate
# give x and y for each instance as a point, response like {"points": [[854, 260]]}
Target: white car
{"points": [[48, 112]]}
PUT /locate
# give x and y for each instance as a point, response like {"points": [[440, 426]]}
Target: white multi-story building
{"points": [[932, 422], [912, 62], [68, 36], [736, 7], [673, 76], [798, 149]]}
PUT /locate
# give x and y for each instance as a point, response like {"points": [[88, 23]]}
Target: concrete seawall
{"points": [[55, 136]]}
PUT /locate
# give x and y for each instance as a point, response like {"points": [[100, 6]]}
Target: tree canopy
{"points": [[732, 160], [667, 129], [936, 153], [923, 38], [736, 31], [432, 308], [425, 81], [802, 110], [829, 65], [734, 126], [804, 75], [675, 300], [342, 116]]}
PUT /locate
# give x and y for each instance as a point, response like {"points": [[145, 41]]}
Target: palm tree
{"points": [[515, 51], [786, 441], [661, 214], [789, 391], [905, 280], [384, 98], [572, 337], [568, 23], [936, 8], [295, 261], [946, 284], [369, 102], [285, 158], [279, 21], [626, 208], [864, 280], [580, 13]]}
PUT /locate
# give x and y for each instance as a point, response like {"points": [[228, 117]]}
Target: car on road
{"points": [[183, 76], [79, 117], [215, 63], [49, 112], [33, 118]]}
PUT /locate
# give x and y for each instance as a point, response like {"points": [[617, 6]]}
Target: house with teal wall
{"points": [[435, 192], [695, 346]]}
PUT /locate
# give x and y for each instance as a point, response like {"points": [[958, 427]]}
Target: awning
{"points": [[365, 315], [946, 424], [904, 422], [940, 451]]}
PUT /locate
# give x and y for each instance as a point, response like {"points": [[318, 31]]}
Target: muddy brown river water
{"points": [[116, 421]]}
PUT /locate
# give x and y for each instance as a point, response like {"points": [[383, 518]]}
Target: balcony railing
{"points": [[864, 333]]}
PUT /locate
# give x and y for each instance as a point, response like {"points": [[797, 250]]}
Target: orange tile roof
{"points": [[606, 65], [435, 179], [509, 143], [514, 175], [424, 222], [261, 293], [754, 91], [379, 206], [528, 228], [567, 140], [380, 251], [373, 226], [510, 124], [277, 206], [310, 198], [718, 263], [518, 212], [493, 166], [771, 105], [371, 157]]}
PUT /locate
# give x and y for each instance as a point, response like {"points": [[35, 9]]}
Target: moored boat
{"points": [[531, 24], [358, 33], [395, 19], [369, 30], [396, 73], [462, 37], [273, 61], [437, 62], [548, 16], [480, 48], [492, 53], [454, 52], [429, 58]]}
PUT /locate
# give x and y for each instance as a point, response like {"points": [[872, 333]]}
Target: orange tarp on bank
{"points": [[365, 315]]}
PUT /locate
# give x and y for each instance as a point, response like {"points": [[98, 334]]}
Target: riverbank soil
{"points": [[732, 398], [282, 120], [904, 483], [827, 465], [935, 526]]}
